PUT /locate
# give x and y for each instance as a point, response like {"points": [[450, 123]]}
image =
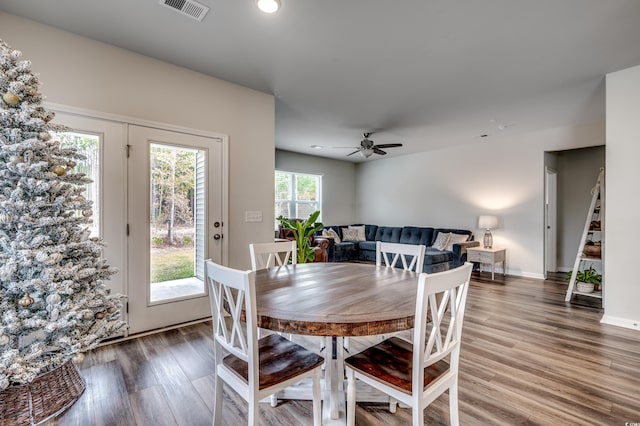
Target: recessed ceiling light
{"points": [[268, 6], [316, 146], [484, 136]]}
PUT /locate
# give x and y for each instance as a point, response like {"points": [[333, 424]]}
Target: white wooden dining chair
{"points": [[254, 368], [408, 256], [417, 373], [266, 255]]}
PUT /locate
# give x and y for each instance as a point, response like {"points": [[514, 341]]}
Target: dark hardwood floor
{"points": [[527, 358]]}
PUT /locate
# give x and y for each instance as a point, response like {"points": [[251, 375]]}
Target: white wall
{"points": [[578, 171], [622, 199], [453, 186], [338, 183], [83, 73]]}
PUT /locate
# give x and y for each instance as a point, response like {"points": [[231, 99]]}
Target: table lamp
{"points": [[487, 222]]}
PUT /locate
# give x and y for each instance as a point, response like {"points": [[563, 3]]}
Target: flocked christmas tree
{"points": [[53, 303]]}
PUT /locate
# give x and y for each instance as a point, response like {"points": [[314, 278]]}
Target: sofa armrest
{"points": [[460, 250]]}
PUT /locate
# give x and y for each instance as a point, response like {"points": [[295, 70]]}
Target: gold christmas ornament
{"points": [[25, 301], [100, 315], [87, 315], [10, 98], [59, 170], [111, 310], [15, 159], [87, 213], [4, 339], [77, 358], [45, 136], [71, 164], [5, 217]]}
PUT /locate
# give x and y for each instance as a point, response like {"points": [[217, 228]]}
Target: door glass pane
{"points": [[177, 218], [89, 146]]}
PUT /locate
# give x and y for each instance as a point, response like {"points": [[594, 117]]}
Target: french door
{"points": [[174, 224]]}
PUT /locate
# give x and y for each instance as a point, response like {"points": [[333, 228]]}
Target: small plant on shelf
{"points": [[588, 280]]}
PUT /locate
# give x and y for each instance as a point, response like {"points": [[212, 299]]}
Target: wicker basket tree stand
{"points": [[47, 396]]}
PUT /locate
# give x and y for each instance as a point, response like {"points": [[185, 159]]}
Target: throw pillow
{"points": [[360, 232], [441, 241], [349, 234], [330, 233], [454, 239]]}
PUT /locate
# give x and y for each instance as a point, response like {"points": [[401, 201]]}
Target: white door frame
{"points": [[144, 313], [550, 220], [119, 248]]}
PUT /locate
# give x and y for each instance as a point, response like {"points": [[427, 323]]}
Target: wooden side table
{"points": [[488, 255]]}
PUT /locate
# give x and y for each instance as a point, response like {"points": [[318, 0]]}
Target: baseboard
{"points": [[621, 322], [525, 274]]}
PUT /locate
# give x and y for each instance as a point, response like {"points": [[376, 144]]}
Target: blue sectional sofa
{"points": [[434, 260]]}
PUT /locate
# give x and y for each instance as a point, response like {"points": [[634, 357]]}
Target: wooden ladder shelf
{"points": [[592, 237]]}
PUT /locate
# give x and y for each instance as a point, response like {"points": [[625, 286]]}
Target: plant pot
{"points": [[48, 395], [585, 287]]}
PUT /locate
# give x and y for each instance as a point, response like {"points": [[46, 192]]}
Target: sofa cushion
{"points": [[360, 230], [388, 234], [331, 233], [455, 231], [352, 234], [416, 235], [455, 239], [441, 241], [432, 256], [367, 245]]}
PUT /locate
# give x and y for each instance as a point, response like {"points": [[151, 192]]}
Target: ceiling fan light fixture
{"points": [[268, 6], [366, 152]]}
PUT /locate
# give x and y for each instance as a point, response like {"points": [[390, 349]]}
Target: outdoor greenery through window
{"points": [[297, 194], [89, 146], [176, 230]]}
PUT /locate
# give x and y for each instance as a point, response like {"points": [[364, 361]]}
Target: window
{"points": [[297, 194]]}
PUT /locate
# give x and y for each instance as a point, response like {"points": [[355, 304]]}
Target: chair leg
{"points": [[253, 411], [351, 398], [217, 405], [274, 400], [417, 415], [453, 404], [393, 405], [317, 399]]}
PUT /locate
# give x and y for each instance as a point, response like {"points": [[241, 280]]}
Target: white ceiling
{"points": [[426, 73]]}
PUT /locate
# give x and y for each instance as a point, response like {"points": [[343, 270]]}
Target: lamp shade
{"points": [[488, 222]]}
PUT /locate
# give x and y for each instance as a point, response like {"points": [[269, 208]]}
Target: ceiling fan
{"points": [[368, 147]]}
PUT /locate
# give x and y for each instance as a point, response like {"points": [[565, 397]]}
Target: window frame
{"points": [[293, 203]]}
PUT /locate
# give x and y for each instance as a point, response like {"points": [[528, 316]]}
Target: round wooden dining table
{"points": [[335, 300]]}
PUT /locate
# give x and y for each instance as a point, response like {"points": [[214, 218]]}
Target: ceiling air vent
{"points": [[189, 8]]}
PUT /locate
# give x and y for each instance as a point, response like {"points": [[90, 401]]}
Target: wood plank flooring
{"points": [[527, 358]]}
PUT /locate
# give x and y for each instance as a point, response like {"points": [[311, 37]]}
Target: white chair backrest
{"points": [[444, 296], [231, 293], [266, 255], [396, 252]]}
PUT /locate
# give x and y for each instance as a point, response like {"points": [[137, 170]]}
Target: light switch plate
{"points": [[253, 216]]}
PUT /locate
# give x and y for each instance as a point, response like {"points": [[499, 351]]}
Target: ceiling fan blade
{"points": [[378, 151], [389, 145], [357, 150], [343, 147]]}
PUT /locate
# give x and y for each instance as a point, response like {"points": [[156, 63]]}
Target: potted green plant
{"points": [[303, 232], [587, 280]]}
